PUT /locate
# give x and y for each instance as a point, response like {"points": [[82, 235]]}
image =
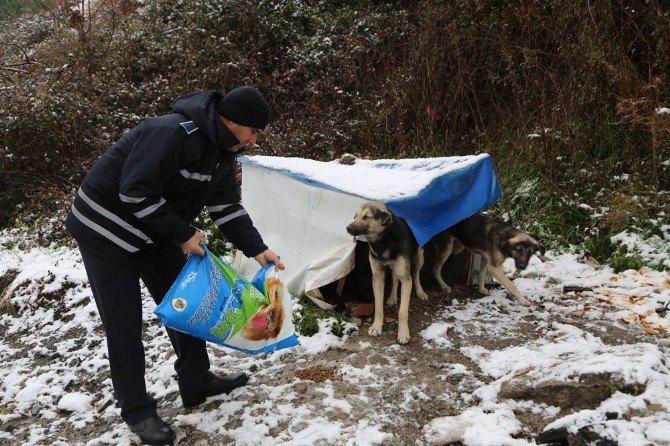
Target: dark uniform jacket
{"points": [[152, 183]]}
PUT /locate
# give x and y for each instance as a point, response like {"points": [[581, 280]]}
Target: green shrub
{"points": [[11, 8], [306, 319], [621, 261]]}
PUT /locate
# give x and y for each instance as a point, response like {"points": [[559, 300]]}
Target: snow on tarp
{"points": [[301, 207], [430, 193]]}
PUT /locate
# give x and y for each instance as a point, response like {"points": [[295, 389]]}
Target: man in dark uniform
{"points": [[131, 219]]}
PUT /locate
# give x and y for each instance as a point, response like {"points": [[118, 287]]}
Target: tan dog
{"points": [[494, 241], [267, 323], [393, 246]]}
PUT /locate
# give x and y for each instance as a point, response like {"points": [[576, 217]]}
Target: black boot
{"points": [[192, 395], [153, 430]]}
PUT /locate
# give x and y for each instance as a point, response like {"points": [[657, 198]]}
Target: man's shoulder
{"points": [[176, 121], [189, 127]]}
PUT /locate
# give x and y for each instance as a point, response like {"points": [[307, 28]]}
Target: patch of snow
{"points": [[500, 424], [75, 402], [436, 333], [527, 187], [658, 432], [653, 250], [366, 435], [566, 352]]}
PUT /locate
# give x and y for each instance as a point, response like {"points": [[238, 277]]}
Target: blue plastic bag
{"points": [[211, 301]]}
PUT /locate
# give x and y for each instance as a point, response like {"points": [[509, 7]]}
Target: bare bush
{"points": [[382, 79]]}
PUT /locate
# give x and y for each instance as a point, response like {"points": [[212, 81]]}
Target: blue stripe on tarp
{"points": [[448, 199]]}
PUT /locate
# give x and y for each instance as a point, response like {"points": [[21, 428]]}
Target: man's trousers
{"points": [[115, 281]]}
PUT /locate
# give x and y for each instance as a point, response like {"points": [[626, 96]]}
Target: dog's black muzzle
{"points": [[520, 265], [355, 230]]}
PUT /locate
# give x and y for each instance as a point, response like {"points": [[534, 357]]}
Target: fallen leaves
{"points": [[636, 299], [650, 331]]}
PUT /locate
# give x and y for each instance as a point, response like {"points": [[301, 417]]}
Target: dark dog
{"points": [[494, 241], [393, 246]]}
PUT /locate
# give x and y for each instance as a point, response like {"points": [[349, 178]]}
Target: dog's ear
{"points": [[506, 249], [536, 245], [384, 216]]}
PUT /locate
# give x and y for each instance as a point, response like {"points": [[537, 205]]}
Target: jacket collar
{"points": [[224, 137]]}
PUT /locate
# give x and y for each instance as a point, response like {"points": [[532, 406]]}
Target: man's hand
{"points": [[268, 256], [192, 245]]}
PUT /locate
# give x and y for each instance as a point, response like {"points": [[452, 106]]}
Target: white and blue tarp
{"points": [[301, 207]]}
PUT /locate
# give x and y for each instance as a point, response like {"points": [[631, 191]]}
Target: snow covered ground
{"points": [[468, 354]]}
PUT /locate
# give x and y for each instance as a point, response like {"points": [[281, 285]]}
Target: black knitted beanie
{"points": [[245, 106]]}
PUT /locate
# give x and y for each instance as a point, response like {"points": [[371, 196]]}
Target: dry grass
{"points": [[622, 209], [6, 305]]}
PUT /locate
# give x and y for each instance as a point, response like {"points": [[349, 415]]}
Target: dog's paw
{"points": [[375, 330], [403, 335], [523, 301], [422, 295], [392, 301], [484, 291], [446, 288]]}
